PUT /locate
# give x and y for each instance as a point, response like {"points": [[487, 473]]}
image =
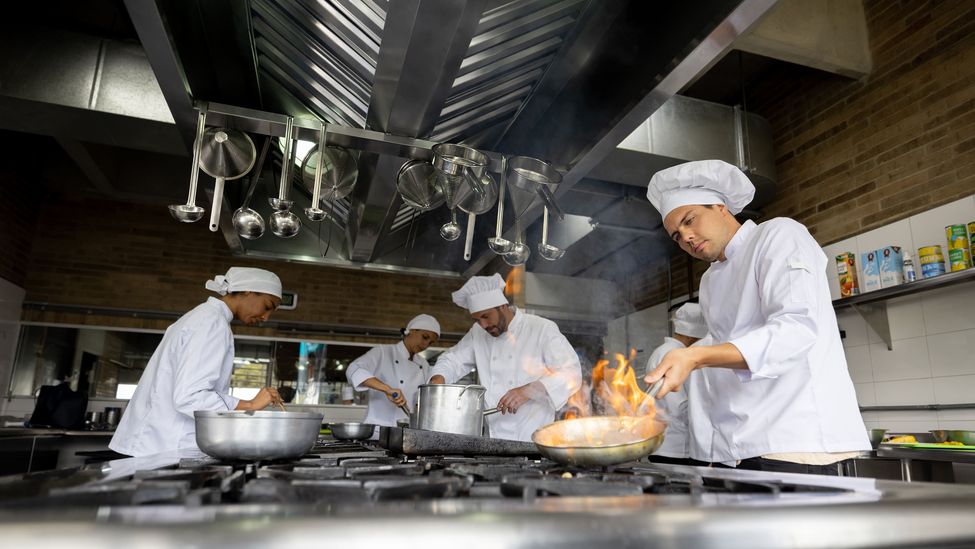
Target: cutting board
{"points": [[929, 446]]}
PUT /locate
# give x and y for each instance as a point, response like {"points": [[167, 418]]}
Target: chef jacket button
{"points": [[510, 357], [396, 361], [511, 383], [494, 358], [401, 381], [494, 383]]}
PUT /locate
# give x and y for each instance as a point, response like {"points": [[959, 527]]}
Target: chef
{"points": [[190, 369], [685, 410], [392, 373], [790, 405], [527, 365]]}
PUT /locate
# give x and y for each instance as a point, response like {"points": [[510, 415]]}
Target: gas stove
{"points": [[365, 494]]}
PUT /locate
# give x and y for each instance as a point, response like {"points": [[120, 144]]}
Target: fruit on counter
{"points": [[903, 439], [950, 443]]}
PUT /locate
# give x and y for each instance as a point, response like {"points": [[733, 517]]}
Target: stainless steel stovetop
{"points": [[362, 494]]}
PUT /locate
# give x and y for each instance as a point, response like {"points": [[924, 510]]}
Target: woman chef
{"points": [[392, 373], [190, 369]]}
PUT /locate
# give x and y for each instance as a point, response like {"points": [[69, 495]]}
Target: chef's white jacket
{"points": [[189, 371], [390, 364], [686, 411], [770, 300], [532, 349]]}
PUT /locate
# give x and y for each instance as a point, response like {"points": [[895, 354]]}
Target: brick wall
{"points": [[111, 254], [856, 155], [18, 217]]}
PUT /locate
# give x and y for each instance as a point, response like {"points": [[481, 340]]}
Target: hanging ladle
{"points": [[546, 250], [247, 222], [190, 212], [315, 213], [284, 223], [519, 252], [226, 154], [450, 231], [499, 244]]}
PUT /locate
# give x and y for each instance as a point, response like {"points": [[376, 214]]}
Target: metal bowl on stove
{"points": [[352, 431], [235, 434]]}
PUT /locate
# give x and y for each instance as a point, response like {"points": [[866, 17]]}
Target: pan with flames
{"points": [[590, 441]]}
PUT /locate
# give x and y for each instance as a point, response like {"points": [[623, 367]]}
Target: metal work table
{"points": [[906, 455]]}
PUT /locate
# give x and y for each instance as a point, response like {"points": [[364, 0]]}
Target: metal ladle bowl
{"points": [[518, 255], [249, 224], [450, 231], [186, 212], [284, 224]]}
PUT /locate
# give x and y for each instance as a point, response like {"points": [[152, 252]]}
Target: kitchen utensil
{"points": [[112, 416], [532, 182], [190, 212], [519, 253], [417, 184], [965, 437], [282, 202], [470, 202], [284, 223], [236, 434], [651, 392], [451, 408], [600, 441], [330, 170], [498, 244], [876, 437], [92, 419], [456, 164], [226, 154], [939, 435], [281, 404], [247, 222], [450, 231], [546, 250], [403, 407], [469, 242], [352, 431]]}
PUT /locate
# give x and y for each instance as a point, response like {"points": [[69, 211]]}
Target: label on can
{"points": [[932, 270], [957, 237], [960, 259], [930, 252]]}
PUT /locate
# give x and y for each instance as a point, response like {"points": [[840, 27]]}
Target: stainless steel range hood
{"points": [[562, 80]]}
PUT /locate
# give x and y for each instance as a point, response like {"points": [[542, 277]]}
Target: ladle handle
{"points": [[286, 159], [549, 199], [545, 227], [491, 411], [474, 182], [257, 174], [217, 204], [317, 193], [197, 149], [470, 237], [501, 189]]}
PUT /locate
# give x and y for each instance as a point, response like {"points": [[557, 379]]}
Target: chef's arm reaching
{"points": [[375, 383], [455, 363], [679, 363], [561, 375], [267, 395]]}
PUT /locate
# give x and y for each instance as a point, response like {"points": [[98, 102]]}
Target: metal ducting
{"points": [[73, 86]]}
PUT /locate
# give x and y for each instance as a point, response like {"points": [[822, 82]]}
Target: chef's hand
{"points": [[267, 395], [437, 380], [399, 399], [674, 368], [513, 399]]}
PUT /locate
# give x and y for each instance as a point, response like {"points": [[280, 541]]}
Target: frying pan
{"points": [[602, 441]]}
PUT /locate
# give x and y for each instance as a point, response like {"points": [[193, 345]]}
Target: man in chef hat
{"points": [[782, 399], [526, 364]]}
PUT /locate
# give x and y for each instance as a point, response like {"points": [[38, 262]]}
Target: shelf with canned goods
{"points": [[872, 306]]}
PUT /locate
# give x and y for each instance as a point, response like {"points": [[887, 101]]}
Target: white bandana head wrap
{"points": [[246, 279]]}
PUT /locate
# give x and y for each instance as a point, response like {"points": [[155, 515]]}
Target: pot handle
{"points": [[491, 411], [474, 182], [549, 199]]}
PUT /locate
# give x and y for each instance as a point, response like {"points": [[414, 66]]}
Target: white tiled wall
{"points": [[933, 333]]}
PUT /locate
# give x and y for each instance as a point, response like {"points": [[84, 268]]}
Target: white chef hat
{"points": [[689, 321], [481, 293], [701, 182], [246, 279], [423, 322]]}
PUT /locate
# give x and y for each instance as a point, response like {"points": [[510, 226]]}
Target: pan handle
{"points": [[491, 411]]}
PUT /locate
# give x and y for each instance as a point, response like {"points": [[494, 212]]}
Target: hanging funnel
{"points": [[530, 183], [339, 173], [418, 186]]}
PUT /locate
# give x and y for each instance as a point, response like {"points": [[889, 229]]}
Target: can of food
{"points": [[957, 237], [971, 239], [960, 259], [847, 270], [930, 254], [931, 270]]}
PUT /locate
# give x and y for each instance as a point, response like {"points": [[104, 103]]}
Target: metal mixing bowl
{"points": [[965, 437], [235, 434], [352, 431], [876, 437]]}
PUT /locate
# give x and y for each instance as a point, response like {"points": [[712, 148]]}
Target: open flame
{"points": [[618, 390]]}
